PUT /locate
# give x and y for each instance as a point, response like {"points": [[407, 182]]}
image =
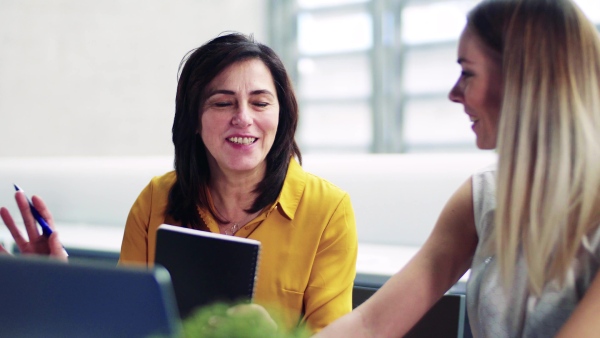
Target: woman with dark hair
{"points": [[237, 172], [528, 228]]}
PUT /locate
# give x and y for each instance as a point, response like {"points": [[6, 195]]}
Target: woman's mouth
{"points": [[242, 140]]}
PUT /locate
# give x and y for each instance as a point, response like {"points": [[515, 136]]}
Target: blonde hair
{"points": [[548, 178]]}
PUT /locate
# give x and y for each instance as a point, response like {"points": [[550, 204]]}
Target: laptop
{"points": [[206, 267], [446, 319], [41, 297]]}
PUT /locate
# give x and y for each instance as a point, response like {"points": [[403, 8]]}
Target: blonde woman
{"points": [[528, 229]]}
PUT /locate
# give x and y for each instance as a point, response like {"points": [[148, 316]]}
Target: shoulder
{"points": [[318, 185], [314, 186], [484, 182], [160, 185], [484, 196], [164, 181], [305, 192], [324, 197], [485, 175], [324, 203], [299, 178]]}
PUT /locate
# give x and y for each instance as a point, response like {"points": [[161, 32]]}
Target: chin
{"points": [[247, 165], [486, 146]]}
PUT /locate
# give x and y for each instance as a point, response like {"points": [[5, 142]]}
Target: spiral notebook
{"points": [[206, 267]]}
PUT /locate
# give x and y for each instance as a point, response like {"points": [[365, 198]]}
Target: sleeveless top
{"points": [[495, 313]]}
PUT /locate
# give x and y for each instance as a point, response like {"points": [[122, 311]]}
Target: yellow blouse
{"points": [[309, 245]]}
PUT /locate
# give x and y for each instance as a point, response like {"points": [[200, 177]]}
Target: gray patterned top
{"points": [[496, 313]]}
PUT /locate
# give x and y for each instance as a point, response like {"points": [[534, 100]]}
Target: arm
{"points": [[446, 255], [329, 292], [584, 320], [134, 248], [37, 244]]}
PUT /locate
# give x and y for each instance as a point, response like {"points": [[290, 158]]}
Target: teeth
{"points": [[242, 140], [472, 118]]}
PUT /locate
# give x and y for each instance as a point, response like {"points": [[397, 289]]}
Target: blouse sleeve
{"points": [[134, 248], [329, 292]]}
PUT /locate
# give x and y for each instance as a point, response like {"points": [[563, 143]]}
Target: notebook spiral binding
{"points": [[252, 286]]}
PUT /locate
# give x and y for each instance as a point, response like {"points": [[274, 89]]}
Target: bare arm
{"points": [[584, 320], [446, 255]]}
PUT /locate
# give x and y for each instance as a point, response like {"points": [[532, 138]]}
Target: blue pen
{"points": [[46, 231]]}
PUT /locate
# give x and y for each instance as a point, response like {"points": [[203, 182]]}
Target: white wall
{"points": [[89, 77]]}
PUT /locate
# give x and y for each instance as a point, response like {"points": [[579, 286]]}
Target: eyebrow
{"points": [[462, 60], [231, 92]]}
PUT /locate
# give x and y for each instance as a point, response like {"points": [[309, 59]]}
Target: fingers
{"points": [[30, 225], [56, 248], [3, 250], [39, 204], [36, 244], [252, 309], [247, 308], [12, 227]]}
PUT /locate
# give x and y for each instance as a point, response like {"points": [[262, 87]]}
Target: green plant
{"points": [[219, 321]]}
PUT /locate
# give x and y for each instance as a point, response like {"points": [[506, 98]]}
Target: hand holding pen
{"points": [[46, 243]]}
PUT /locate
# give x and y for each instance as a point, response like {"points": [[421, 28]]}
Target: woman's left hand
{"points": [[252, 310], [37, 243]]}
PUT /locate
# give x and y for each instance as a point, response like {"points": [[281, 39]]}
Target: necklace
{"points": [[232, 227], [231, 231]]}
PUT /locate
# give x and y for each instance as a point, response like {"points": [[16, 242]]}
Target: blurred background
{"points": [[98, 78]]}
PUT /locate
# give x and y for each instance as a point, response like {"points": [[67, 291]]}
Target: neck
{"points": [[231, 201], [232, 191], [233, 194], [231, 204]]}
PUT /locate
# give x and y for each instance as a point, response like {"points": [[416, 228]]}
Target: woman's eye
{"points": [[261, 104], [465, 73], [222, 104]]}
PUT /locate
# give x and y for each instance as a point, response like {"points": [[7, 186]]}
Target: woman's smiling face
{"points": [[479, 87], [239, 117]]}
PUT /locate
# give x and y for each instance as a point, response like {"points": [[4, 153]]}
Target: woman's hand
{"points": [[252, 310], [37, 244]]}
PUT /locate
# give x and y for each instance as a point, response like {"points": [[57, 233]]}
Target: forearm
{"points": [[398, 305], [350, 326], [393, 309], [406, 297], [584, 320]]}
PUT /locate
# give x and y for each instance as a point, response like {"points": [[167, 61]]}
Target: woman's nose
{"points": [[242, 117], [455, 94]]}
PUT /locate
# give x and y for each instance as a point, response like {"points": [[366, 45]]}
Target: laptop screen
{"points": [[45, 298]]}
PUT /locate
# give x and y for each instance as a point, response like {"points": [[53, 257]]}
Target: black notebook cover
{"points": [[206, 267]]}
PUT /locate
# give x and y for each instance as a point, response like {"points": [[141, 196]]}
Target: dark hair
{"points": [[200, 67]]}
